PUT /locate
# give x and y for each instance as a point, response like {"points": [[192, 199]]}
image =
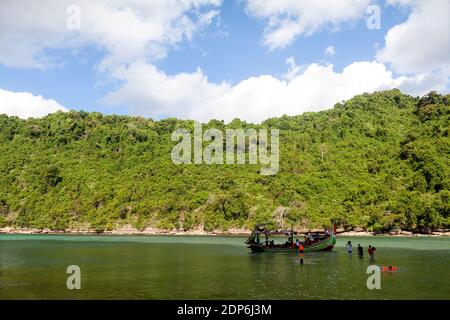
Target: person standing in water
{"points": [[360, 251], [349, 247], [300, 252], [371, 251]]}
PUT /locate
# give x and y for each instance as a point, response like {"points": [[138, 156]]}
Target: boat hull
{"points": [[324, 245]]}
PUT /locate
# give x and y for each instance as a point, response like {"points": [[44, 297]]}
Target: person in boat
{"points": [[371, 251], [290, 241], [349, 247], [360, 251], [267, 239], [297, 243]]}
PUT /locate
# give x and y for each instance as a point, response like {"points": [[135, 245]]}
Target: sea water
{"points": [[216, 267]]}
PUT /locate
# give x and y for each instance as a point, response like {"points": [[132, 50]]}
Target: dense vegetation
{"points": [[378, 161]]}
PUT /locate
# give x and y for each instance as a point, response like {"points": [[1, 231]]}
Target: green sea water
{"points": [[213, 267]]}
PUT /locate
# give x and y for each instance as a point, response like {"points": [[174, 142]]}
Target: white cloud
{"points": [[125, 30], [288, 19], [330, 51], [150, 92], [25, 104], [294, 69], [146, 88], [131, 34], [422, 42], [206, 18]]}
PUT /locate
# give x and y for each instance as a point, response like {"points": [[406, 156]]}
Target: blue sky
{"points": [[218, 59]]}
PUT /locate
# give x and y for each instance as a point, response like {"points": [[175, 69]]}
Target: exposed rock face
{"points": [[395, 232]]}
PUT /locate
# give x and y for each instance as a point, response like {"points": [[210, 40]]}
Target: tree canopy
{"points": [[378, 161]]}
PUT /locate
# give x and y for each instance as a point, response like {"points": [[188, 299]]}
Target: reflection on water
{"points": [[175, 267]]}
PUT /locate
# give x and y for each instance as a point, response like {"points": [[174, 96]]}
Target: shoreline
{"points": [[127, 231]]}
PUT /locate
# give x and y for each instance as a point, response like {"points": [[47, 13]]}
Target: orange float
{"points": [[389, 268]]}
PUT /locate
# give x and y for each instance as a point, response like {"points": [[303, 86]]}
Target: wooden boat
{"points": [[314, 241]]}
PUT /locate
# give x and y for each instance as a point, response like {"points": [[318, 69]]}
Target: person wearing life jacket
{"points": [[300, 251], [389, 268]]}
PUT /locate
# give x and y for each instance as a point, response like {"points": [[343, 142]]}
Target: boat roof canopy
{"points": [[285, 232], [261, 229]]}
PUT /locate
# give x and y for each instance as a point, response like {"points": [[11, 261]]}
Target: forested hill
{"points": [[378, 161]]}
